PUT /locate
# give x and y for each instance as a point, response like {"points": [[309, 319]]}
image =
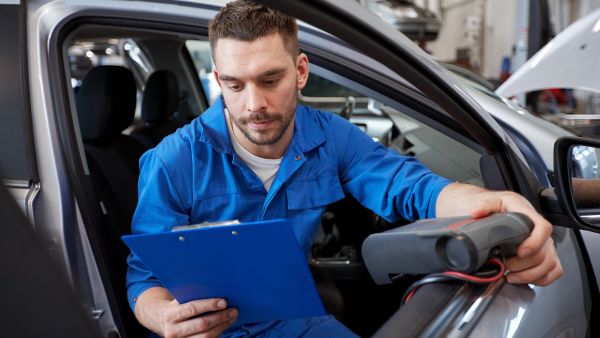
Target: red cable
{"points": [[468, 278], [410, 294], [476, 279]]}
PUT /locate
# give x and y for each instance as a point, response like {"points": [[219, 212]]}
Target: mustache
{"points": [[260, 116]]}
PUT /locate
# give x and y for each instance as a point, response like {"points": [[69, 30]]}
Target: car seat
{"points": [[159, 104], [105, 107]]}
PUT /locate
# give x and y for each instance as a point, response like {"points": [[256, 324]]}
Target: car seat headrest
{"points": [[161, 96], [106, 102]]}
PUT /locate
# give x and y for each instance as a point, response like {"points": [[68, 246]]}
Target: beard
{"points": [[280, 123]]}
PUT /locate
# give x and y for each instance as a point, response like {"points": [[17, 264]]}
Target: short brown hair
{"points": [[246, 20]]}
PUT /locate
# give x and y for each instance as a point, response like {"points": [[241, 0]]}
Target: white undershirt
{"points": [[265, 168]]}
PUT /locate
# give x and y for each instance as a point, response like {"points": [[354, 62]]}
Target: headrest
{"points": [[106, 102], [161, 96]]}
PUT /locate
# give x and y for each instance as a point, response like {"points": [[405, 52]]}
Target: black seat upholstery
{"points": [[161, 97], [105, 107]]}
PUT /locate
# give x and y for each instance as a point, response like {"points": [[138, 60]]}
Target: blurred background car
{"points": [[562, 81]]}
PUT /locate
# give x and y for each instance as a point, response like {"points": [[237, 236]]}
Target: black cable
{"points": [[481, 277], [435, 278]]}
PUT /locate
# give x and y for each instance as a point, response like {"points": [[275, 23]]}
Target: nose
{"points": [[257, 100]]}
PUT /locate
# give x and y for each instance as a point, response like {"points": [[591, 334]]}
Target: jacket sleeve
{"points": [[159, 208], [392, 185]]}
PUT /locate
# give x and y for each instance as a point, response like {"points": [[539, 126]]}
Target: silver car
{"points": [[76, 68]]}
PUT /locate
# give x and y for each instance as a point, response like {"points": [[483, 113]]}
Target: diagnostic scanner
{"points": [[436, 245]]}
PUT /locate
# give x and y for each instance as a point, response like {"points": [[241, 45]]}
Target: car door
{"points": [[369, 36], [494, 320], [68, 212], [39, 298]]}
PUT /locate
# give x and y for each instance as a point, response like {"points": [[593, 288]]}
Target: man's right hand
{"points": [[158, 311]]}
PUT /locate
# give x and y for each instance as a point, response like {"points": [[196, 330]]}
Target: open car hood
{"points": [[570, 60]]}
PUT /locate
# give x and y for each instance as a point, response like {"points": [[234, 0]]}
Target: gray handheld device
{"points": [[436, 245]]}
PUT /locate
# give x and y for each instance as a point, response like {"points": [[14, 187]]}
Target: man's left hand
{"points": [[536, 261]]}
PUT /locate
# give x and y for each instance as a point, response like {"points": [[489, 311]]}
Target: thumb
{"points": [[486, 207]]}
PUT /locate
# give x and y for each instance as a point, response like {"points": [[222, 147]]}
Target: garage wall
{"points": [[585, 6], [498, 27], [565, 12], [500, 32], [460, 30]]}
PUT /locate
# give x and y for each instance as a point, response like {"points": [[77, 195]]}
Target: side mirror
{"points": [[578, 180]]}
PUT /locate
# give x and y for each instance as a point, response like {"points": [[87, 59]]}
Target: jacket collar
{"points": [[308, 132]]}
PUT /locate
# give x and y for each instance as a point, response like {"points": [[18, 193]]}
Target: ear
{"points": [[302, 70], [216, 74]]}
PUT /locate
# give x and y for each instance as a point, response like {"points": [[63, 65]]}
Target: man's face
{"points": [[260, 82]]}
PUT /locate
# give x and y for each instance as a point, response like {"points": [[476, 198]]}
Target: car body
{"points": [[566, 62], [413, 105]]}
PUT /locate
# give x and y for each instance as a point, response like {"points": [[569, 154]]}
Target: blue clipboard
{"points": [[258, 267]]}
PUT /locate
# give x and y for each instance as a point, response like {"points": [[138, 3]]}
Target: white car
{"points": [[569, 61]]}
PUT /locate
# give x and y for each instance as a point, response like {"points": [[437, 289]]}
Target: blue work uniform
{"points": [[195, 176]]}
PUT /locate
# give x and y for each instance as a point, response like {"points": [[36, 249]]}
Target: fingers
{"points": [[508, 201], [194, 308], [541, 268], [487, 206], [536, 260], [208, 325], [202, 318], [516, 264], [215, 331], [553, 275], [540, 235]]}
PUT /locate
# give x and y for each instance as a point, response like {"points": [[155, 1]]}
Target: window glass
{"points": [[321, 87], [393, 128], [84, 55], [200, 53]]}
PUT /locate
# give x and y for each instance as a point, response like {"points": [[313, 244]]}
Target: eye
{"points": [[236, 87], [270, 82]]}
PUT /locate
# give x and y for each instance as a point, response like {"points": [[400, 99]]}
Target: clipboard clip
{"points": [[205, 224]]}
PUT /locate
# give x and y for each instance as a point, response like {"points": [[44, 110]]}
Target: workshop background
{"points": [[492, 39]]}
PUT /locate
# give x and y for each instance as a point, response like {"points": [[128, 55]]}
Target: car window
{"points": [[143, 54], [201, 56], [321, 87], [84, 55], [388, 124]]}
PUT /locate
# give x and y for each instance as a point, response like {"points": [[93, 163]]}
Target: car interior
{"points": [[131, 87]]}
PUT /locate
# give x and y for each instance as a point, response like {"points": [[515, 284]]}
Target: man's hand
{"points": [[159, 312], [536, 261]]}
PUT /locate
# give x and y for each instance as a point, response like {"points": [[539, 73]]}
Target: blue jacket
{"points": [[194, 176]]}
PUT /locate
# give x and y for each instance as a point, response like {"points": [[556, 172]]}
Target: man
{"points": [[257, 155]]}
